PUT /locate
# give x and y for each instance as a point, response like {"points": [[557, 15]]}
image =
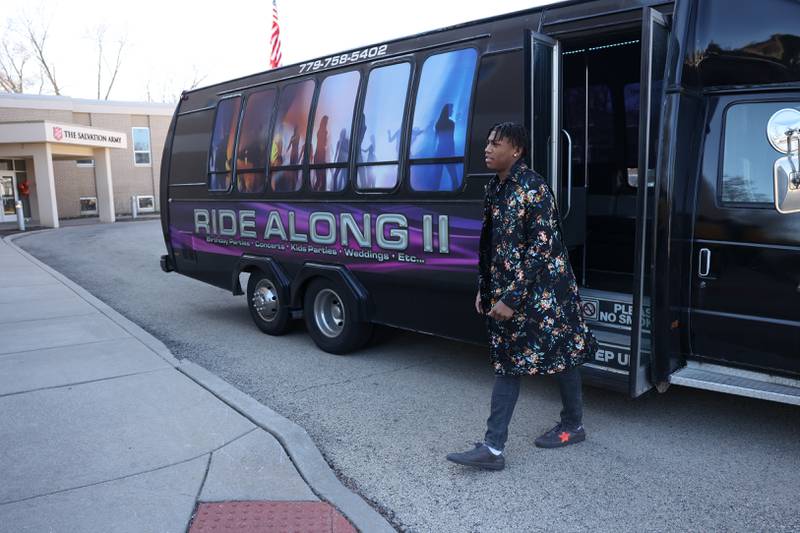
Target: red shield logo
{"points": [[58, 133]]}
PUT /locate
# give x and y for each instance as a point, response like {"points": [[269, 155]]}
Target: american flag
{"points": [[275, 55]]}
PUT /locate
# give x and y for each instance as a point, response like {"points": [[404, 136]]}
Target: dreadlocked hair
{"points": [[515, 133]]}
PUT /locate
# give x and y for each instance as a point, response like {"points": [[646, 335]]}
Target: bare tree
{"points": [[12, 68], [170, 88], [197, 79], [104, 64], [37, 38], [14, 56], [117, 63], [99, 34]]}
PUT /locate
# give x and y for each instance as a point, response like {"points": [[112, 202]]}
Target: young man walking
{"points": [[527, 291]]}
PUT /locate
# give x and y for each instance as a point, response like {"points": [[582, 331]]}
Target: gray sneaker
{"points": [[479, 457], [560, 436]]}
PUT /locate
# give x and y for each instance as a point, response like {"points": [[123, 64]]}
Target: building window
{"points": [[145, 204], [378, 135], [748, 157], [84, 162], [330, 143], [141, 146], [439, 131], [88, 205]]}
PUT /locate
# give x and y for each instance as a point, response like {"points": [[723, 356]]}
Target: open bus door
{"points": [[549, 143], [654, 42], [544, 109]]}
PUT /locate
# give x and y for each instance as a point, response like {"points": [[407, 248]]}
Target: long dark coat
{"points": [[523, 262]]}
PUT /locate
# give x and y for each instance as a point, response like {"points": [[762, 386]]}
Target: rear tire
{"points": [[270, 314], [329, 311]]}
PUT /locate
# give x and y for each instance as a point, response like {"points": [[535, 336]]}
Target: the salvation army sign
{"points": [[69, 134]]}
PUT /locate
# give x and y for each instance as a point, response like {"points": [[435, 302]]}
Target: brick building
{"points": [[64, 157]]}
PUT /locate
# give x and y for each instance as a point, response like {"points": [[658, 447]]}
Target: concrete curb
{"points": [[132, 328], [301, 449]]}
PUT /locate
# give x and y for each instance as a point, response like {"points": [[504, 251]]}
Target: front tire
{"points": [[329, 312], [270, 314]]}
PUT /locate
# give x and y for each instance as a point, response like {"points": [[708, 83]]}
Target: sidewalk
{"points": [[102, 429]]}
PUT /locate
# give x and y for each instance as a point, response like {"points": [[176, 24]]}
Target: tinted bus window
{"points": [[289, 139], [749, 158], [439, 130], [333, 123], [220, 159], [499, 97], [251, 152], [380, 127], [190, 148]]}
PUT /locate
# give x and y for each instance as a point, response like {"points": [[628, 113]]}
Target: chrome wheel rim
{"points": [[265, 300], [329, 313]]}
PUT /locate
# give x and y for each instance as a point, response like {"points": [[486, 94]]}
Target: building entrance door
{"points": [[8, 197]]}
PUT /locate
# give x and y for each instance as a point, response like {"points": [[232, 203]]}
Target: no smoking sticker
{"points": [[590, 308]]}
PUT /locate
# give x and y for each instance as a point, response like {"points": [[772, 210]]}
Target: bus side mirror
{"points": [[787, 184], [783, 132]]}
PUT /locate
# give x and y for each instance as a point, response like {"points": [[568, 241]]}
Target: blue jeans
{"points": [[504, 399]]}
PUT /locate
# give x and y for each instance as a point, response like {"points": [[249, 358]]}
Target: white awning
{"points": [[60, 133]]}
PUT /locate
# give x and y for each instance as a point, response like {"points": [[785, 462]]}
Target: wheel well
{"points": [[335, 274], [248, 269], [265, 265]]}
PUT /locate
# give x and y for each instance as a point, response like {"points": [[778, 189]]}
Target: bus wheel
{"points": [[329, 310], [263, 299]]}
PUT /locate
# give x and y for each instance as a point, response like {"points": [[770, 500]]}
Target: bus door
{"points": [[745, 302], [550, 141], [544, 109], [624, 340], [654, 42]]}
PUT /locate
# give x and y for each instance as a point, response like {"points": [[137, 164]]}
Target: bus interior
{"points": [[600, 110]]}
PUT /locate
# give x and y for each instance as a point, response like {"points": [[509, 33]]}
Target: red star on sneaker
{"points": [[564, 436]]}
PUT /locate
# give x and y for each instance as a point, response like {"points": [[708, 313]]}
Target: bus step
{"points": [[614, 352], [739, 382]]}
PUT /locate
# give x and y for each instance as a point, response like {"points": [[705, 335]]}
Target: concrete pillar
{"points": [[104, 184], [45, 186]]}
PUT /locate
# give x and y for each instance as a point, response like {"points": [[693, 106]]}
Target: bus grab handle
{"points": [[569, 173]]}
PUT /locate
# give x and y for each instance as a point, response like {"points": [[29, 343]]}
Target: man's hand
{"points": [[501, 311], [478, 303]]}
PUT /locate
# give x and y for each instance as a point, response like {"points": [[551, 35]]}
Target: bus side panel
{"points": [[186, 178], [166, 160], [679, 161], [408, 257]]}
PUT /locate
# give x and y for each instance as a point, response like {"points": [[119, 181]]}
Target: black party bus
{"points": [[350, 187]]}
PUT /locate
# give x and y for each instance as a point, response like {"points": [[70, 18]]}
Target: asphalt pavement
{"points": [[385, 417]]}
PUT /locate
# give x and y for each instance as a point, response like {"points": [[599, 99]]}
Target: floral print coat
{"points": [[523, 262]]}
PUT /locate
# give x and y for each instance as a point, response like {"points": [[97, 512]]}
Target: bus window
{"points": [[289, 140], [333, 120], [220, 159], [499, 97], [378, 135], [748, 157], [251, 151], [190, 144], [439, 130]]}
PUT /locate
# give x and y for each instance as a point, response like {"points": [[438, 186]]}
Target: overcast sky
{"points": [[169, 43]]}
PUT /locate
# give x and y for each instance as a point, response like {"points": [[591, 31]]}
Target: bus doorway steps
{"points": [[738, 382]]}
